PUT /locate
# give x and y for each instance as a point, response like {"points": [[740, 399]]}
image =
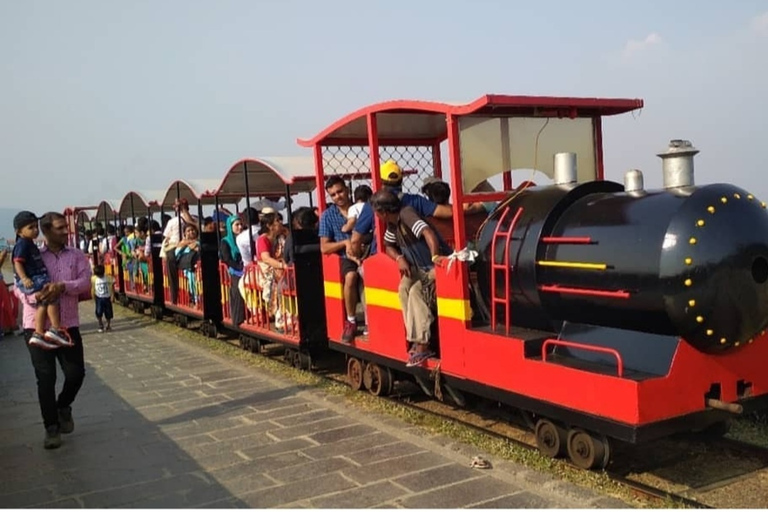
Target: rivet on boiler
{"points": [[692, 303], [710, 332], [711, 209], [700, 222], [692, 241], [688, 261], [688, 282], [700, 319]]}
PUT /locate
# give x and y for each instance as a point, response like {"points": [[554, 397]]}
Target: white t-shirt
{"points": [[354, 211], [172, 231], [243, 243], [101, 287]]}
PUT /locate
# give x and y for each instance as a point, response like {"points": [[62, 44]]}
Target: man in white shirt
{"points": [[243, 240]]}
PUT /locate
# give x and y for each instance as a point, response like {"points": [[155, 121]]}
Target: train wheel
{"points": [[243, 342], [355, 373], [588, 451], [213, 331], [551, 439], [183, 321], [296, 359], [157, 312], [305, 361], [124, 301], [377, 380], [204, 328]]}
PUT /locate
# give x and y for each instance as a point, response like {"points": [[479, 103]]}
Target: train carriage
{"points": [[665, 334], [140, 288], [298, 289], [196, 288]]}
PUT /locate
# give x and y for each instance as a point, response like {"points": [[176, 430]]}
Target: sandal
{"points": [[418, 358]]}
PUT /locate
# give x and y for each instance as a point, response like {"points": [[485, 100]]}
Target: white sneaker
{"points": [[38, 341], [59, 338]]}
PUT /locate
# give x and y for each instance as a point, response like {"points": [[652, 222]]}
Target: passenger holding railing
{"points": [[416, 248], [271, 267], [231, 257], [187, 254]]}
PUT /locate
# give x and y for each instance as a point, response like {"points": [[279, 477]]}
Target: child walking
{"points": [[103, 290], [30, 278]]}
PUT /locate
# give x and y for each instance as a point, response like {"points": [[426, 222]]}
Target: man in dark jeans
{"points": [[70, 275]]}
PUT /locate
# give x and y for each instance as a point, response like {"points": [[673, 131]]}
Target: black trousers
{"points": [[236, 302], [72, 364], [173, 275]]}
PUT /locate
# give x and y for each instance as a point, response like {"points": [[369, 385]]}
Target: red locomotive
{"points": [[600, 310]]}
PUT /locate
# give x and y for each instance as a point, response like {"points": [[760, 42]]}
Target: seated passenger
{"points": [[411, 242], [304, 219], [187, 254], [270, 265], [436, 190], [334, 241]]}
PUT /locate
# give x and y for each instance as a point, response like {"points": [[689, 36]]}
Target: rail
{"points": [[582, 346]]}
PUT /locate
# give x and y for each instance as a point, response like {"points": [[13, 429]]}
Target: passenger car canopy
{"points": [[105, 212], [267, 177], [201, 190], [412, 121], [135, 204]]}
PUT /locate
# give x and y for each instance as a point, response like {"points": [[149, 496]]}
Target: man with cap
{"points": [[392, 180], [70, 276]]}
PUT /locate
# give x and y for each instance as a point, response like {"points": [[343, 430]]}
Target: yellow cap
{"points": [[390, 171]]}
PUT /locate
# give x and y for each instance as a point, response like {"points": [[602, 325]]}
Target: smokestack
{"points": [[677, 164]]}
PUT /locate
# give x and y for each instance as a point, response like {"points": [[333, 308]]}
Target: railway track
{"points": [[651, 494]]}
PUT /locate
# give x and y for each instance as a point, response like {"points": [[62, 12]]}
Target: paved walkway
{"points": [[161, 423]]}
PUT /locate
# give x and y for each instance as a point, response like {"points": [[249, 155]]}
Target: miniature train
{"points": [[599, 310]]}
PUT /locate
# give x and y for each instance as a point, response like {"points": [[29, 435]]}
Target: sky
{"points": [[104, 96]]}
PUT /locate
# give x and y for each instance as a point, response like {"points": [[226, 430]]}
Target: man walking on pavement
{"points": [[70, 275]]}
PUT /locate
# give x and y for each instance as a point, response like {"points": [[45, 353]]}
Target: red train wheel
{"points": [[355, 374]]}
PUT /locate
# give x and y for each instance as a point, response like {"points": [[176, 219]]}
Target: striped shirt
{"points": [[407, 235], [70, 266]]}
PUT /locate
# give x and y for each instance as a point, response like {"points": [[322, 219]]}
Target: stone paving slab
{"points": [[161, 423]]}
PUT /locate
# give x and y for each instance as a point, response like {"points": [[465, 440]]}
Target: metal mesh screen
{"points": [[353, 162]]}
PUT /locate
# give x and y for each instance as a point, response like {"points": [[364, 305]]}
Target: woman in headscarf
{"points": [[230, 256]]}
